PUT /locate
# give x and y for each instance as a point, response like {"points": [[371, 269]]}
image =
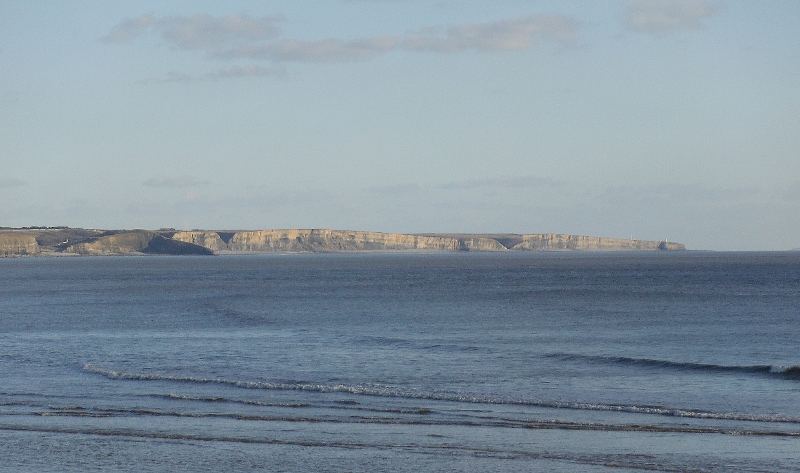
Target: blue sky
{"points": [[654, 119]]}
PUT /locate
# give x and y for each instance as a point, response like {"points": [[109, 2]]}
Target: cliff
{"points": [[18, 243], [577, 242], [24, 242], [78, 241], [137, 241], [323, 240], [320, 240]]}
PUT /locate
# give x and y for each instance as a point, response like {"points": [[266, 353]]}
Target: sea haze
{"points": [[558, 362]]}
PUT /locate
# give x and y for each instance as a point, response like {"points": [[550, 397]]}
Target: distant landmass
{"points": [[43, 241]]}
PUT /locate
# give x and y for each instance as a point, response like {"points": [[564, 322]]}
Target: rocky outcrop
{"points": [[136, 242], [211, 240], [323, 240]]}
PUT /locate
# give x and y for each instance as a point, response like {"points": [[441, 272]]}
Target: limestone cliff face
{"points": [[211, 240], [16, 243], [319, 240], [479, 243], [323, 240], [551, 241]]}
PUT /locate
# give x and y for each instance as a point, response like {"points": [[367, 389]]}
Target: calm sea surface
{"points": [[556, 362]]}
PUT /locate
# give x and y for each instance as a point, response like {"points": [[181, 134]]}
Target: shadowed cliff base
{"points": [[77, 241]]}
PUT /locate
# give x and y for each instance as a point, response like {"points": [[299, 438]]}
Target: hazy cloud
{"points": [[174, 182], [399, 189], [129, 29], [502, 182], [172, 76], [197, 32], [659, 17], [251, 70], [326, 50], [793, 192], [9, 98], [505, 35], [246, 71], [9, 183], [241, 37], [690, 193]]}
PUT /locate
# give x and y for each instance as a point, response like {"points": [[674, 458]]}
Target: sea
{"points": [[407, 362]]}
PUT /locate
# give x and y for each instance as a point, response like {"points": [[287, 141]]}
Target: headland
{"points": [[44, 241]]}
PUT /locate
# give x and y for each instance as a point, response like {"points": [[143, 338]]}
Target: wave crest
{"points": [[396, 392], [791, 372]]}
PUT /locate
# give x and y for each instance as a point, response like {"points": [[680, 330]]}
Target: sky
{"points": [[672, 120]]}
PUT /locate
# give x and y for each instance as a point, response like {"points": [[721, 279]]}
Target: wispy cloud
{"points": [[129, 29], [502, 182], [398, 189], [172, 76], [241, 37], [687, 193], [660, 17], [10, 183], [174, 182], [793, 192], [9, 97], [326, 50], [505, 35], [251, 70], [197, 32]]}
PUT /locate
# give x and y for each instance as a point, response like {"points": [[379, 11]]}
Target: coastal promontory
{"points": [[38, 241]]}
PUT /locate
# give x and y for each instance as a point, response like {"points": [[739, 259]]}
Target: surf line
{"points": [[407, 447], [505, 423], [437, 396]]}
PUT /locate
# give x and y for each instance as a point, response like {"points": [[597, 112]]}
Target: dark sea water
{"points": [[552, 362]]}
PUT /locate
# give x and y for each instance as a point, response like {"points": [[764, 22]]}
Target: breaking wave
{"points": [[396, 392], [790, 372]]}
